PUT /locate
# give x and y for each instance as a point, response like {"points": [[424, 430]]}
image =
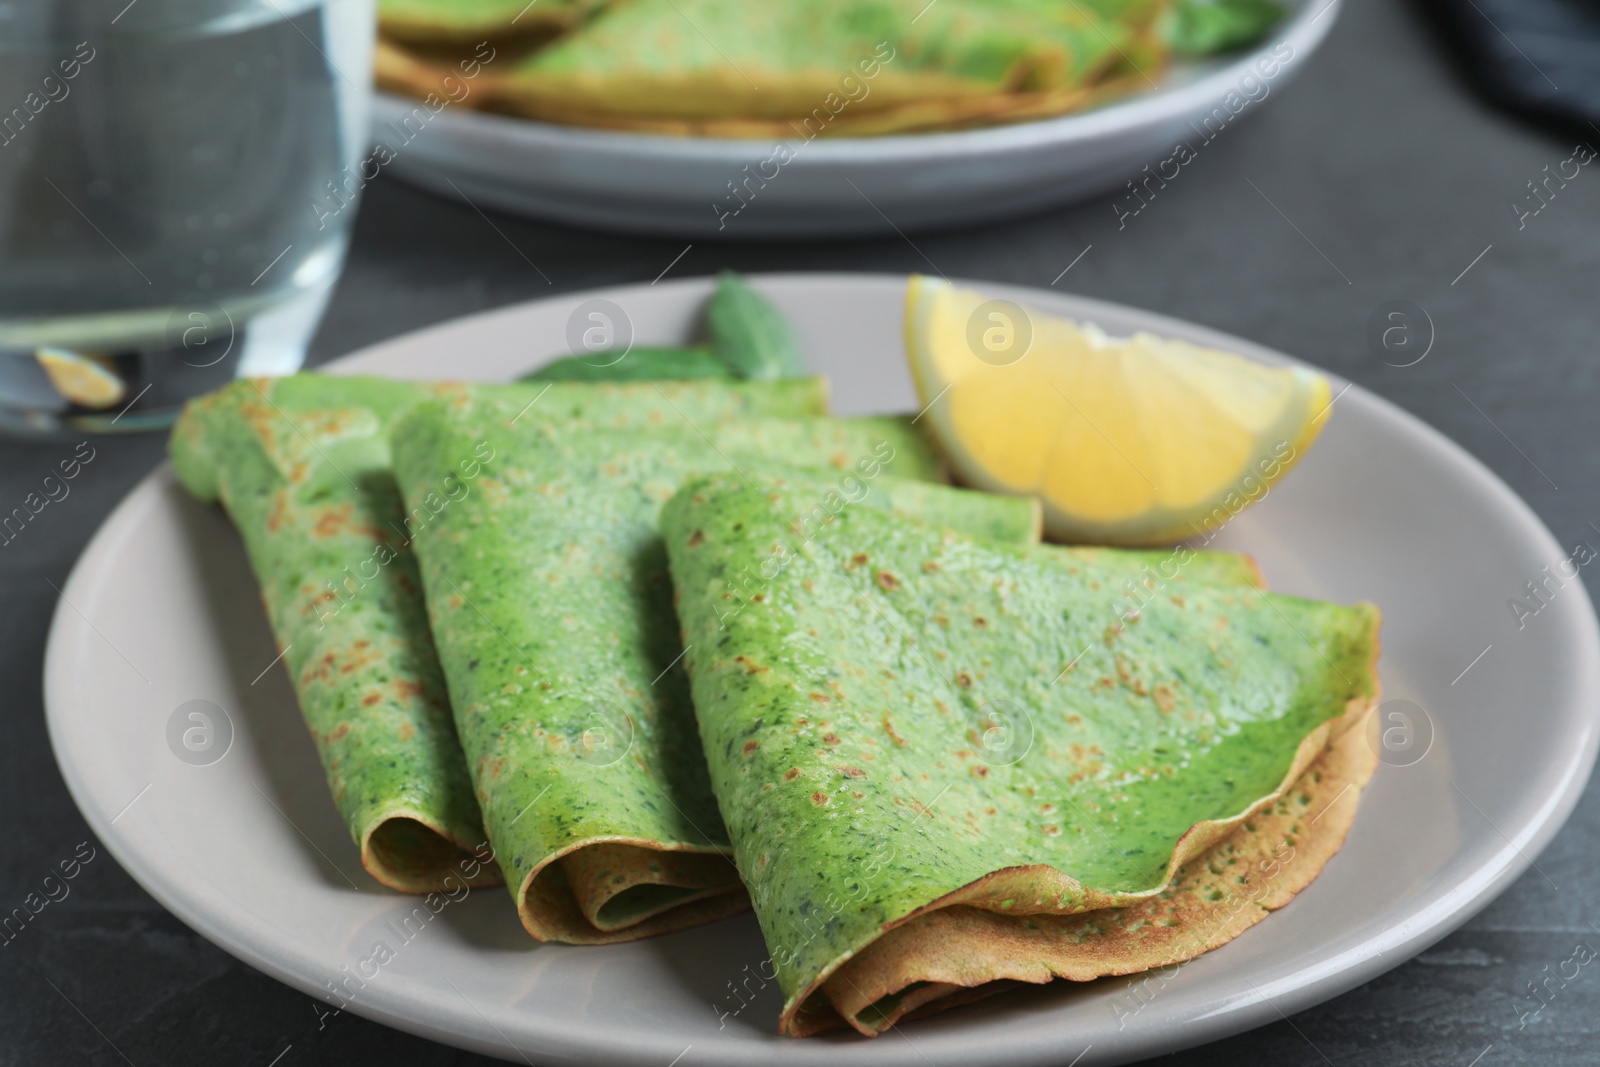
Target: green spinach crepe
{"points": [[938, 744], [549, 600], [302, 466], [798, 68], [726, 68]]}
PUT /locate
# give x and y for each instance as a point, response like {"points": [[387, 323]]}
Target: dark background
{"points": [[1396, 177]]}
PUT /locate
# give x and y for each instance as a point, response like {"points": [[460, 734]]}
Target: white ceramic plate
{"points": [[248, 850], [676, 185]]}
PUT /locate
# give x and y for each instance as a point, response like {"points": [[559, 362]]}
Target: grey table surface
{"points": [[1376, 177]]}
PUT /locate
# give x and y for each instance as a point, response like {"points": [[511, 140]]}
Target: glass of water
{"points": [[176, 195]]}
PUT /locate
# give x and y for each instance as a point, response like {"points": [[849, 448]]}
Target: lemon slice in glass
{"points": [[80, 378], [1131, 441]]}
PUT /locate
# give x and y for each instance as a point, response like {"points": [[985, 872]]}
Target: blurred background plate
{"points": [[248, 850], [641, 183]]}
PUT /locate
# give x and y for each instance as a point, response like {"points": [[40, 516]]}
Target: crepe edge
{"points": [[1193, 842], [541, 900], [437, 877], [819, 1014]]}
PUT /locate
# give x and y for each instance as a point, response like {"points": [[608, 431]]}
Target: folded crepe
{"points": [[549, 600], [828, 66], [956, 954], [302, 466], [945, 765], [798, 68]]}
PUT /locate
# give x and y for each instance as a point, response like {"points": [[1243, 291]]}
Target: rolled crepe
{"points": [[549, 600], [302, 466], [1008, 738]]}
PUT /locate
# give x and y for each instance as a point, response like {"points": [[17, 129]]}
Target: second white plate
{"points": [[248, 850]]}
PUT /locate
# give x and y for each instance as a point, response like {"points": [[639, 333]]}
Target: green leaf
{"points": [[637, 364], [1197, 28], [749, 335]]}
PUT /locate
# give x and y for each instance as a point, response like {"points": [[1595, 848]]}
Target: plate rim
{"points": [[247, 937]]}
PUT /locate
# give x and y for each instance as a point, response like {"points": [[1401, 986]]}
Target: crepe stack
{"points": [[794, 69]]}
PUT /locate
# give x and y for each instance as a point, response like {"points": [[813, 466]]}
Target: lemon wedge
{"points": [[1130, 441], [80, 378]]}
